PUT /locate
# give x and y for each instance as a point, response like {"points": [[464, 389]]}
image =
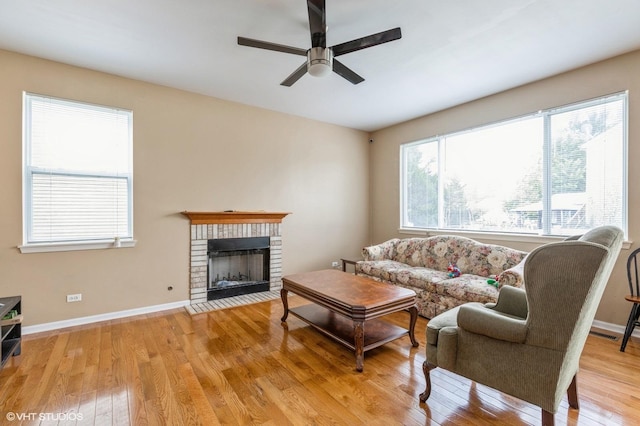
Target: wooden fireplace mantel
{"points": [[200, 218]]}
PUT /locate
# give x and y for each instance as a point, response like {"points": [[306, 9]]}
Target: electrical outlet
{"points": [[74, 297], [335, 264]]}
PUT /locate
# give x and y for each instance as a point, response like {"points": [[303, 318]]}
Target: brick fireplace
{"points": [[206, 226]]}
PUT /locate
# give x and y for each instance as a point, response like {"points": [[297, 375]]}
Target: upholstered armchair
{"points": [[529, 343]]}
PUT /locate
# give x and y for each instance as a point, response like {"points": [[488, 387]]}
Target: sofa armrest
{"points": [[513, 276], [382, 251], [488, 322]]}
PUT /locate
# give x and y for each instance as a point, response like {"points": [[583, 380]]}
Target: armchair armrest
{"points": [[382, 251], [478, 319]]}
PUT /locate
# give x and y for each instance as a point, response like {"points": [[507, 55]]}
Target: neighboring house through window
{"points": [[559, 172], [77, 183]]}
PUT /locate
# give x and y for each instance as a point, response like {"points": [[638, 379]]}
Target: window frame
{"points": [[31, 246], [546, 114]]}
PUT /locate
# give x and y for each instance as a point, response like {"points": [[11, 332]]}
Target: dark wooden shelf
{"points": [[11, 329], [9, 347], [377, 331]]}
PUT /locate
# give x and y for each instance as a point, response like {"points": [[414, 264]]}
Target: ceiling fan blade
{"points": [[368, 41], [295, 76], [243, 41], [317, 22], [344, 71]]}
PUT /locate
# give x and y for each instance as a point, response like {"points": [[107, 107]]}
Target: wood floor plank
{"points": [[329, 407], [297, 412], [120, 406], [242, 366], [39, 395], [200, 402], [152, 405], [104, 408], [87, 406]]}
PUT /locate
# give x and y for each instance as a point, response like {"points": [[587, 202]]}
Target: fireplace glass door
{"points": [[237, 266]]}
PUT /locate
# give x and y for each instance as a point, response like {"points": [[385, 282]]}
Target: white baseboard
{"points": [[38, 328], [615, 328]]}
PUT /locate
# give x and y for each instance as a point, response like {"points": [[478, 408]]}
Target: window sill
{"points": [[494, 236], [76, 245]]}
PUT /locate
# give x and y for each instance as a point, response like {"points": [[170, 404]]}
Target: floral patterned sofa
{"points": [[421, 265]]}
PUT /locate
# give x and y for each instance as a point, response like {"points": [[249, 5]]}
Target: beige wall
{"points": [[191, 152], [618, 74], [187, 149]]}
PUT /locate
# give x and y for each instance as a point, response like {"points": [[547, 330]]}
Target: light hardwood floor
{"points": [[241, 366]]}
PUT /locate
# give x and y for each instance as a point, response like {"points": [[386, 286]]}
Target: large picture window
{"points": [[556, 172], [77, 172]]}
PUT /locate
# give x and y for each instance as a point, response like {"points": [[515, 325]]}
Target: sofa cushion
{"points": [[421, 278], [486, 260], [383, 269], [437, 252], [409, 251], [472, 257], [471, 288], [386, 250]]}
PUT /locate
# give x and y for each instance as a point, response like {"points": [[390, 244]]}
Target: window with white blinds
{"points": [[77, 172], [554, 172]]}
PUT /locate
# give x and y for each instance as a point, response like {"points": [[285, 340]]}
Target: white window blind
{"points": [[560, 172], [77, 171]]}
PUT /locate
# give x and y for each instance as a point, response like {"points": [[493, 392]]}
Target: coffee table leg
{"points": [[358, 336], [285, 303], [412, 325]]}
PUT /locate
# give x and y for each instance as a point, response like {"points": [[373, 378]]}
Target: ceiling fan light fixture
{"points": [[319, 61]]}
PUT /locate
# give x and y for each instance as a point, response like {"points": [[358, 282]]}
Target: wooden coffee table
{"points": [[344, 302]]}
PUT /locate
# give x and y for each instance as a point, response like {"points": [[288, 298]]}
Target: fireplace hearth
{"points": [[237, 266]]}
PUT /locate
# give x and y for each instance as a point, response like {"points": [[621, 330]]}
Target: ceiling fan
{"points": [[320, 58]]}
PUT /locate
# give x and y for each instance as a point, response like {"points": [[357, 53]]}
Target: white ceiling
{"points": [[451, 51]]}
